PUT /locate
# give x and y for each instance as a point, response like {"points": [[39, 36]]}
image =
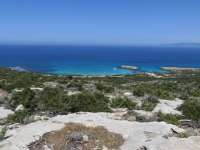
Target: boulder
{"points": [[145, 116], [130, 116], [5, 112]]}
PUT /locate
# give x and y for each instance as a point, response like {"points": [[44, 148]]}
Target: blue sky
{"points": [[109, 22]]}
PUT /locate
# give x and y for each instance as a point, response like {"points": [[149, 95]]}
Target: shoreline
{"points": [[134, 70]]}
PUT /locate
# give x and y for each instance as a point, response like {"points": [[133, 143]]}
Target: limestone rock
{"points": [[19, 108]]}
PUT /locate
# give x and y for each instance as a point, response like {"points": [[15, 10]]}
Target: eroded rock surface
{"points": [[151, 135]]}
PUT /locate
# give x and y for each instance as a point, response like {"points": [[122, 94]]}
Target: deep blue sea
{"points": [[96, 60]]}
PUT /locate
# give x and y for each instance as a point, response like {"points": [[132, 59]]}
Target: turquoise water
{"points": [[96, 60]]}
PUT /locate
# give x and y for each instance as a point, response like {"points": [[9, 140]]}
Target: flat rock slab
{"points": [[168, 106], [152, 135], [5, 112]]}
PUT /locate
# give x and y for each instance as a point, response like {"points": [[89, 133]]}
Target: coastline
{"points": [[133, 70], [96, 61], [90, 93]]}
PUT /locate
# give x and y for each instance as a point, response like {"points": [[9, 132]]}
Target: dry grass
{"points": [[97, 137]]}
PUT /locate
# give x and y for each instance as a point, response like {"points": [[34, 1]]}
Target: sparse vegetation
{"points": [[37, 96], [57, 101], [18, 117], [106, 89], [191, 109], [25, 98], [138, 92], [182, 135], [122, 103], [51, 99], [87, 102], [149, 103], [184, 85], [3, 133], [169, 118], [97, 138]]}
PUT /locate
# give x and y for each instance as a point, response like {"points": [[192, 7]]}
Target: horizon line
{"points": [[178, 44]]}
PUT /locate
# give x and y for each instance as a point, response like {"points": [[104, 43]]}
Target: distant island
{"points": [[180, 69], [128, 67], [18, 68]]}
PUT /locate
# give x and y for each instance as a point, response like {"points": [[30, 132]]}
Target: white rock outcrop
{"points": [[19, 108], [136, 134], [168, 106], [5, 112]]}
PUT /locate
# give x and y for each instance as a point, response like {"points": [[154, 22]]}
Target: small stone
{"points": [[130, 116], [105, 148], [85, 138], [75, 136], [19, 108], [142, 148], [45, 147]]}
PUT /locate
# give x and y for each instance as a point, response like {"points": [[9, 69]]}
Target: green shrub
{"points": [[182, 135], [191, 109], [18, 117], [87, 102], [138, 92], [148, 106], [184, 96], [106, 89], [122, 103], [55, 100], [26, 98], [164, 94], [51, 99], [150, 103], [76, 84], [169, 118], [195, 93], [3, 133]]}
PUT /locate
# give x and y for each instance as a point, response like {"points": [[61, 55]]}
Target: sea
{"points": [[96, 60]]}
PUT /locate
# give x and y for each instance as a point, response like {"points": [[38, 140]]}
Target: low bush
{"points": [[51, 99], [149, 103], [3, 133], [68, 137], [18, 117], [106, 89], [56, 100], [122, 103], [26, 98], [87, 102], [169, 118], [138, 92], [191, 109], [164, 94]]}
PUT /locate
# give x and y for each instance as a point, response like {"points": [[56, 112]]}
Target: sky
{"points": [[101, 22]]}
